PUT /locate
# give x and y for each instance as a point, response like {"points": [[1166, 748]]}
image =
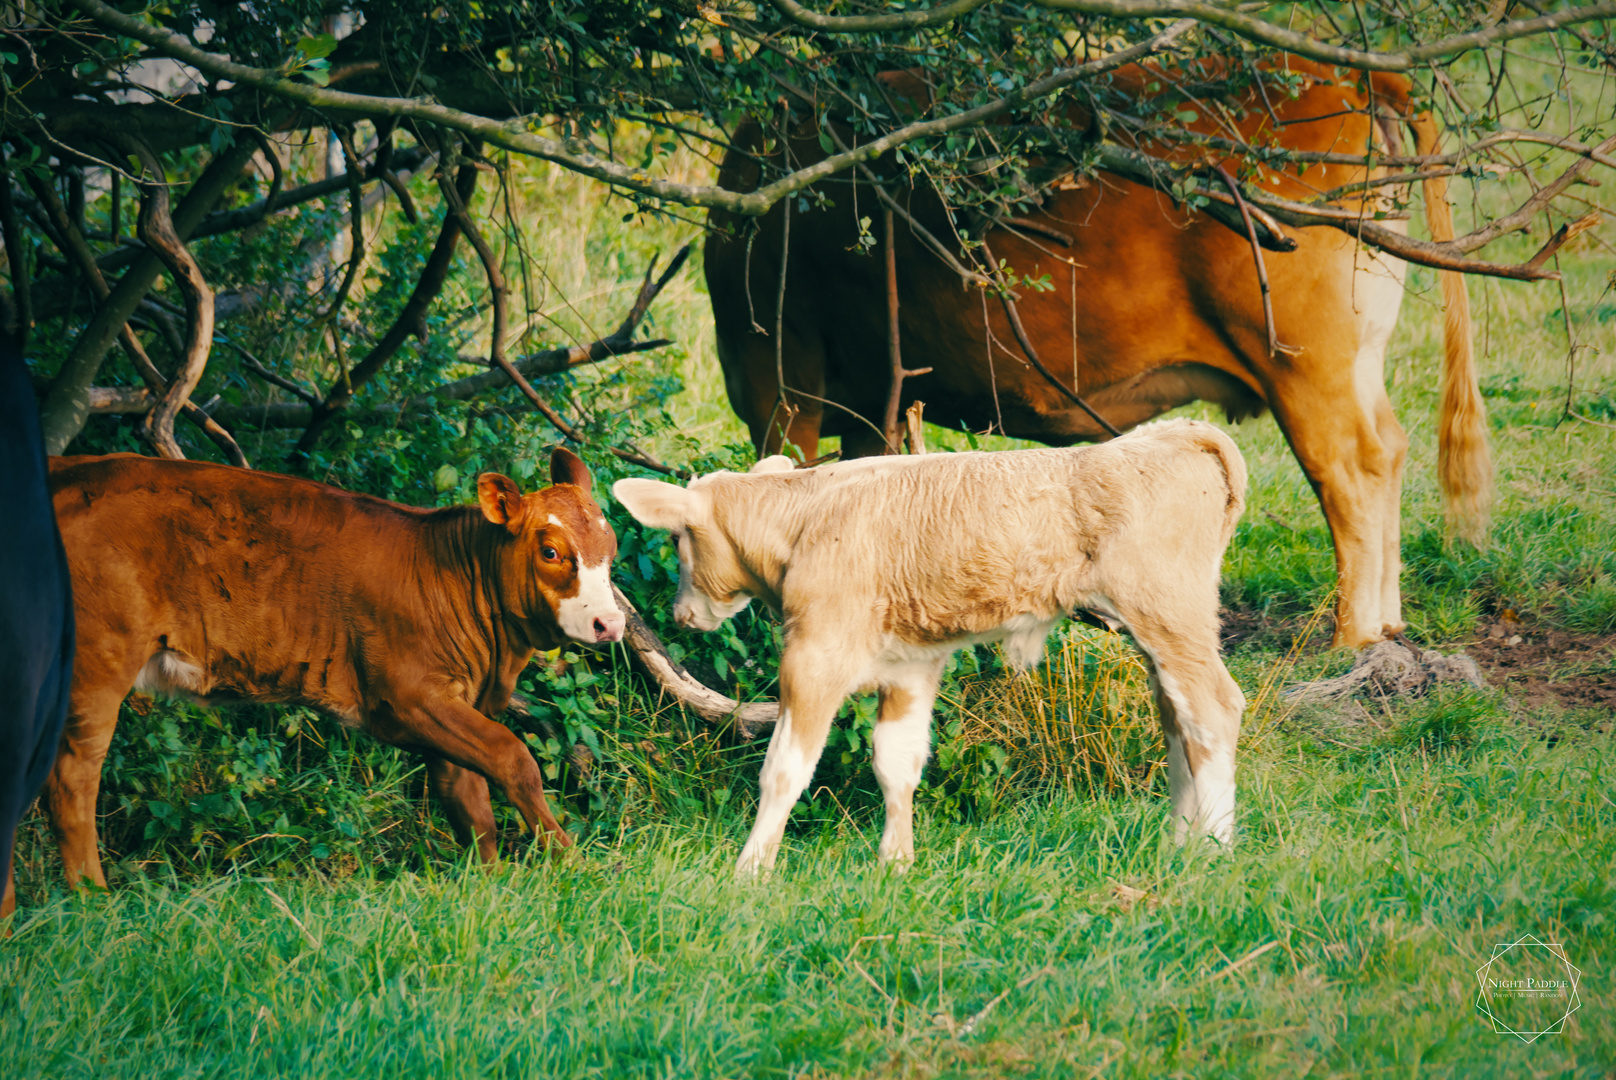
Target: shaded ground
{"points": [[1537, 665]]}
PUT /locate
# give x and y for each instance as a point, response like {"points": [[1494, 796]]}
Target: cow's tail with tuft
{"points": [[1464, 461]]}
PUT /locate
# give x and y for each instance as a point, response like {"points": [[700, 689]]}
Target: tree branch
{"points": [[411, 320], [861, 24], [652, 658], [77, 249], [156, 227], [65, 407], [577, 155], [1266, 33], [496, 289]]}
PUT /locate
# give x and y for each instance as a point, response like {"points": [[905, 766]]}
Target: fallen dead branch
{"points": [[652, 659]]}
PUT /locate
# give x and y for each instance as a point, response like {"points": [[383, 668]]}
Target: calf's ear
{"points": [[501, 500], [567, 468], [654, 503], [772, 464]]}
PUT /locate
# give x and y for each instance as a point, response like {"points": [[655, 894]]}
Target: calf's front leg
{"points": [[1200, 707], [810, 694], [452, 730], [902, 743]]}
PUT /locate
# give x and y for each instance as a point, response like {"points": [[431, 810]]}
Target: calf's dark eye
{"points": [[549, 553]]}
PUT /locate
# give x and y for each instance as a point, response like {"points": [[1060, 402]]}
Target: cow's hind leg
{"points": [[902, 744], [811, 690], [464, 795], [1200, 706]]}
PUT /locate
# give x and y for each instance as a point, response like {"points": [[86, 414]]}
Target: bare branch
{"points": [[1266, 33], [356, 217], [1256, 255], [411, 320], [496, 289], [1020, 332], [410, 160], [254, 365], [890, 428], [859, 24], [652, 658], [67, 404], [79, 251], [156, 228], [1563, 234]]}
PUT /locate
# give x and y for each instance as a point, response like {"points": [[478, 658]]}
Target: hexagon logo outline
{"points": [[1494, 988]]}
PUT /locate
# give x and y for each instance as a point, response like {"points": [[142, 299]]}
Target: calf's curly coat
{"points": [[883, 567]]}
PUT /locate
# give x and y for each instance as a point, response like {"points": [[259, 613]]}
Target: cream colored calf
{"points": [[883, 567]]}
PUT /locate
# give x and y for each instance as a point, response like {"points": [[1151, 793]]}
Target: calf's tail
{"points": [[1464, 461], [1222, 448]]}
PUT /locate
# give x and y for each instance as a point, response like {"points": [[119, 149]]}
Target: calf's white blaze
{"points": [[593, 603]]}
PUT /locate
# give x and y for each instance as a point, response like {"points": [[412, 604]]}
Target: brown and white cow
{"points": [[883, 567], [1150, 307], [226, 585]]}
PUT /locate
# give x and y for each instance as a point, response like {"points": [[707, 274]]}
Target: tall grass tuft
{"points": [[1084, 721]]}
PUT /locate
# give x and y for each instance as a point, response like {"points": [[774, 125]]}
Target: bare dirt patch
{"points": [[1536, 665], [1541, 665]]}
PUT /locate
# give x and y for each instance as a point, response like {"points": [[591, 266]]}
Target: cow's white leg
{"points": [[1391, 568], [813, 684], [902, 744], [1377, 297]]}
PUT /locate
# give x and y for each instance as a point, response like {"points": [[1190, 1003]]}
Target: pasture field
{"points": [[1059, 937], [286, 903]]}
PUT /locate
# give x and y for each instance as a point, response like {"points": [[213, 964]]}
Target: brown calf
{"points": [[224, 585]]}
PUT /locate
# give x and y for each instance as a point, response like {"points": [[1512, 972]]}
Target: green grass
{"points": [[1340, 937]]}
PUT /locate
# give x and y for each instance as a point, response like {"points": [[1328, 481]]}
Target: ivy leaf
{"points": [[317, 48]]}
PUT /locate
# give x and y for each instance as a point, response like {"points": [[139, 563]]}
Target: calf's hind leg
{"points": [[75, 781], [464, 795], [1200, 707]]}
